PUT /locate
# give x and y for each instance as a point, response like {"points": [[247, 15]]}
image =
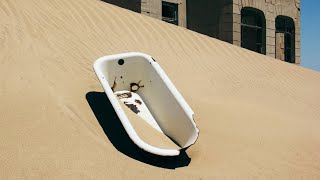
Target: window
{"points": [[285, 47], [253, 31], [170, 12]]}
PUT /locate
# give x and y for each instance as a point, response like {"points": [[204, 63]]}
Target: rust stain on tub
{"points": [[114, 84], [124, 95], [138, 101]]}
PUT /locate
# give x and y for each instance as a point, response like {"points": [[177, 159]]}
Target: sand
{"points": [[258, 117]]}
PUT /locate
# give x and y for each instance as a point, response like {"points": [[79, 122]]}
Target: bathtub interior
{"points": [[137, 74]]}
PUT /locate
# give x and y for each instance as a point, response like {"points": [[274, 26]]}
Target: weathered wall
{"points": [[212, 18], [153, 8], [271, 9], [222, 18]]}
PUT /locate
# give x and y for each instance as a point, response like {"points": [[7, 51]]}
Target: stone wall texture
{"points": [[153, 8], [271, 9]]}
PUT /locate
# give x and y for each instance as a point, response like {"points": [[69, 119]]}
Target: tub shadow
{"points": [[117, 135]]}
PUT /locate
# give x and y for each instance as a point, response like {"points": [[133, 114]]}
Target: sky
{"points": [[310, 34]]}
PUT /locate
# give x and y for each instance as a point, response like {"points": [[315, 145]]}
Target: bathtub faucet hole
{"points": [[135, 86]]}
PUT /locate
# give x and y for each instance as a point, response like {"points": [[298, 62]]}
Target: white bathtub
{"points": [[166, 110]]}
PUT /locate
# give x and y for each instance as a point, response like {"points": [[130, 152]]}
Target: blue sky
{"points": [[310, 34]]}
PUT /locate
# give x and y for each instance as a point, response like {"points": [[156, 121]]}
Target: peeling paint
{"points": [[133, 107]]}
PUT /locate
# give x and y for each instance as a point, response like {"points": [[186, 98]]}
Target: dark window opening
{"points": [[170, 12], [253, 31], [285, 26]]}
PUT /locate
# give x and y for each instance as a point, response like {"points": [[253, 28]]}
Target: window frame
{"points": [[259, 25], [288, 23], [174, 20]]}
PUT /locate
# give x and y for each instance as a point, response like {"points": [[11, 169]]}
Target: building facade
{"points": [[270, 27]]}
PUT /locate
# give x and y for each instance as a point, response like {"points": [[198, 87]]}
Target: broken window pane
{"points": [[170, 12]]}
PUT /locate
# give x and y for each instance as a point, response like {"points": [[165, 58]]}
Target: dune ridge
{"points": [[258, 117]]}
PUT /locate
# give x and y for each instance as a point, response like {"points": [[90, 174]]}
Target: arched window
{"points": [[253, 30], [285, 39]]}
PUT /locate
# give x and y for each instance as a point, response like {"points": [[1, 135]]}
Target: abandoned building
{"points": [[270, 27]]}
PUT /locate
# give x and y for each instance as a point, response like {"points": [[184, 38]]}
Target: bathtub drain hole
{"points": [[121, 62]]}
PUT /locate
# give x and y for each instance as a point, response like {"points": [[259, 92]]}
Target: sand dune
{"points": [[258, 117]]}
